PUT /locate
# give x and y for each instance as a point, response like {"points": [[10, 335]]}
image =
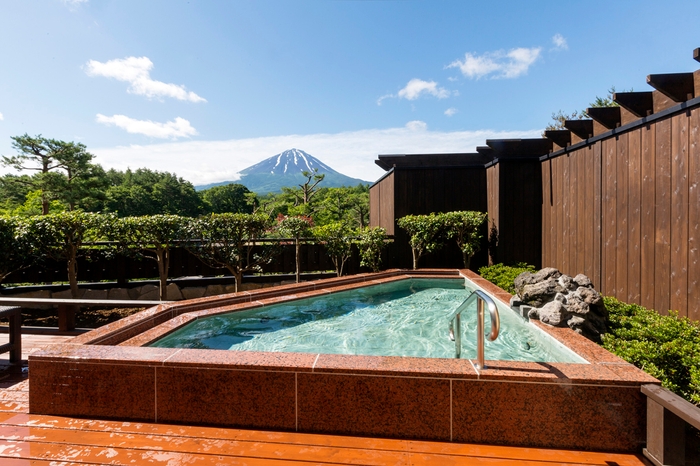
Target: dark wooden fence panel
{"points": [[493, 202], [634, 217], [625, 210], [662, 250], [694, 216], [621, 198], [648, 220], [679, 212]]}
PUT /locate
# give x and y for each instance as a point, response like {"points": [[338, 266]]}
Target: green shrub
{"points": [[665, 347], [503, 276]]}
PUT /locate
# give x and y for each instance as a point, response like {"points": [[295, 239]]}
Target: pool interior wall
{"points": [[108, 373]]}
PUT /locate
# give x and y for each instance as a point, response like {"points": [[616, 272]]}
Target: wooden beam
{"points": [[581, 128], [606, 116], [662, 101], [677, 86], [485, 150], [534, 147], [387, 162], [639, 103], [696, 54], [560, 137]]}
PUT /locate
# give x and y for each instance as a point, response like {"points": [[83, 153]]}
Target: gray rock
{"points": [[554, 313], [214, 290], [96, 294], [153, 295], [118, 293], [546, 273], [589, 295], [193, 292], [582, 280], [174, 293], [575, 321], [566, 282], [562, 301], [539, 293]]}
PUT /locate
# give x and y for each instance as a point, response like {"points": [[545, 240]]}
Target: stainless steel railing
{"points": [[456, 324]]}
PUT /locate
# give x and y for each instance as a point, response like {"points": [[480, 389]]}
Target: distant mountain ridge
{"points": [[285, 169]]}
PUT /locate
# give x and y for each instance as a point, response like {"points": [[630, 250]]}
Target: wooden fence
{"points": [[625, 210]]}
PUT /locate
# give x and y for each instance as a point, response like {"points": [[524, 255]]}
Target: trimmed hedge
{"points": [[503, 276], [665, 347]]}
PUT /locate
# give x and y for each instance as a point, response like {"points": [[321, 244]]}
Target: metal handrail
{"points": [[456, 321]]}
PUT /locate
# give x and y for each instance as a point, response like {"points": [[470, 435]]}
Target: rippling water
{"points": [[404, 318]]}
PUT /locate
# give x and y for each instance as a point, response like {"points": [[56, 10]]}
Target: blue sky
{"points": [[205, 89]]}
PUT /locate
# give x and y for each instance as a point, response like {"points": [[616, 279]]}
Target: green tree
{"points": [[371, 241], [13, 191], [152, 237], [349, 205], [465, 228], [296, 227], [227, 198], [48, 157], [426, 234], [148, 192], [61, 236], [16, 252], [559, 118], [337, 239], [227, 240]]}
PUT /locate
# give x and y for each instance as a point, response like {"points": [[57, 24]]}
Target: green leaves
{"points": [[231, 198], [503, 276], [371, 241], [60, 237], [227, 241], [296, 227], [666, 347], [337, 238], [429, 233], [16, 251]]}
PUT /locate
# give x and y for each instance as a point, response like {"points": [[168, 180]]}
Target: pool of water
{"points": [[402, 318]]}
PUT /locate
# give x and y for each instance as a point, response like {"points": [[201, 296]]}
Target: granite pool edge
{"points": [[148, 382]]}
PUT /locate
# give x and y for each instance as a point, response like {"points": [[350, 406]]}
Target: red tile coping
{"points": [[109, 373]]}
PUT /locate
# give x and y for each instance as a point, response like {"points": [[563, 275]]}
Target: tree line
{"points": [[57, 176], [236, 242]]}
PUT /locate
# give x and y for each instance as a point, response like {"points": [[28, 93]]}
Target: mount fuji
{"points": [[285, 169]]}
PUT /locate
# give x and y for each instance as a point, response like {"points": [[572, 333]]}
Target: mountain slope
{"points": [[285, 169]]}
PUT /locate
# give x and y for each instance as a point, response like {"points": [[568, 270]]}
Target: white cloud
{"points": [[416, 125], [499, 64], [1, 117], [170, 130], [137, 72], [559, 42], [415, 88], [451, 111], [352, 153], [74, 2]]}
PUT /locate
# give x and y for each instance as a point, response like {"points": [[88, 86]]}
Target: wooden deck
{"points": [[43, 440]]}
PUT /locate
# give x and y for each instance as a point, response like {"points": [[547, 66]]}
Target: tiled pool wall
{"points": [[107, 373]]}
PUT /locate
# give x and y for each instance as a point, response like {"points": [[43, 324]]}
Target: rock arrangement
{"points": [[561, 301]]}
